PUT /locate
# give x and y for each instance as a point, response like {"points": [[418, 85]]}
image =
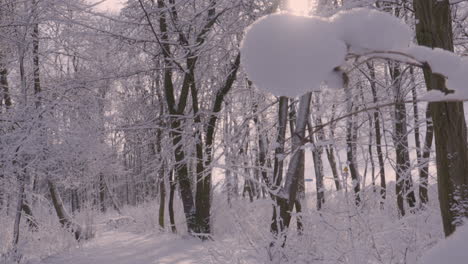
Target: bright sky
{"points": [[299, 6], [113, 6]]}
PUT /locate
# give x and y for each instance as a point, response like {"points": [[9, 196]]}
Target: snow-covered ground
{"points": [[241, 236], [124, 247]]}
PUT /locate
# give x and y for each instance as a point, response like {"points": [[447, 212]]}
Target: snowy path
{"points": [[119, 247]]}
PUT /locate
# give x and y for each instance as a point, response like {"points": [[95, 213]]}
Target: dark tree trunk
{"points": [[4, 98], [162, 198], [62, 214], [424, 166], [172, 187], [75, 202], [4, 88], [378, 135], [351, 152], [102, 193], [287, 195], [317, 152], [32, 223], [404, 183], [275, 227], [435, 30], [371, 154], [330, 150], [19, 207], [280, 140], [300, 196], [262, 148]]}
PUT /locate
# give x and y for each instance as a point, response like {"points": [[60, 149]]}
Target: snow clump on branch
{"points": [[289, 55], [369, 30]]}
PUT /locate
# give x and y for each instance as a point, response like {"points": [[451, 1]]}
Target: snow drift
{"points": [[452, 250]]}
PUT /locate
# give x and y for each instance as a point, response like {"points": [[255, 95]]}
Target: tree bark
{"points": [[172, 187], [330, 150], [378, 135], [4, 98], [434, 29], [19, 207], [424, 166], [62, 214], [404, 183], [102, 193], [317, 152], [351, 152], [280, 141], [162, 198], [287, 195]]}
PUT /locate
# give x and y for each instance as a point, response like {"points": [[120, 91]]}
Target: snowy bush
{"points": [[120, 222]]}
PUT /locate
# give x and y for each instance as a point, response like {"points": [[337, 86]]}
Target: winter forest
{"points": [[233, 131]]}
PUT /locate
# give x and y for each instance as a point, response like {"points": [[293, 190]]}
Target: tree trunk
{"points": [[74, 200], [378, 135], [434, 29], [102, 193], [181, 172], [162, 198], [280, 140], [32, 223], [19, 207], [300, 196], [317, 152], [112, 197], [62, 214], [172, 187], [287, 195], [278, 163], [5, 97], [404, 183], [330, 150], [351, 152], [424, 166]]}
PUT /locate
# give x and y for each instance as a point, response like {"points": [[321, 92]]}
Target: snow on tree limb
{"points": [[289, 55]]}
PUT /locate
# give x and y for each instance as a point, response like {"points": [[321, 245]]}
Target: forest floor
{"points": [[123, 247]]}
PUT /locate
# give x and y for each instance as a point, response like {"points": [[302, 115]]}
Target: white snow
{"points": [[453, 250], [289, 55], [119, 247], [448, 64], [364, 29]]}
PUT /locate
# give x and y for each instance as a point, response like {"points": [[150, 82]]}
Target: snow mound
{"points": [[364, 29], [452, 250], [289, 55]]}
